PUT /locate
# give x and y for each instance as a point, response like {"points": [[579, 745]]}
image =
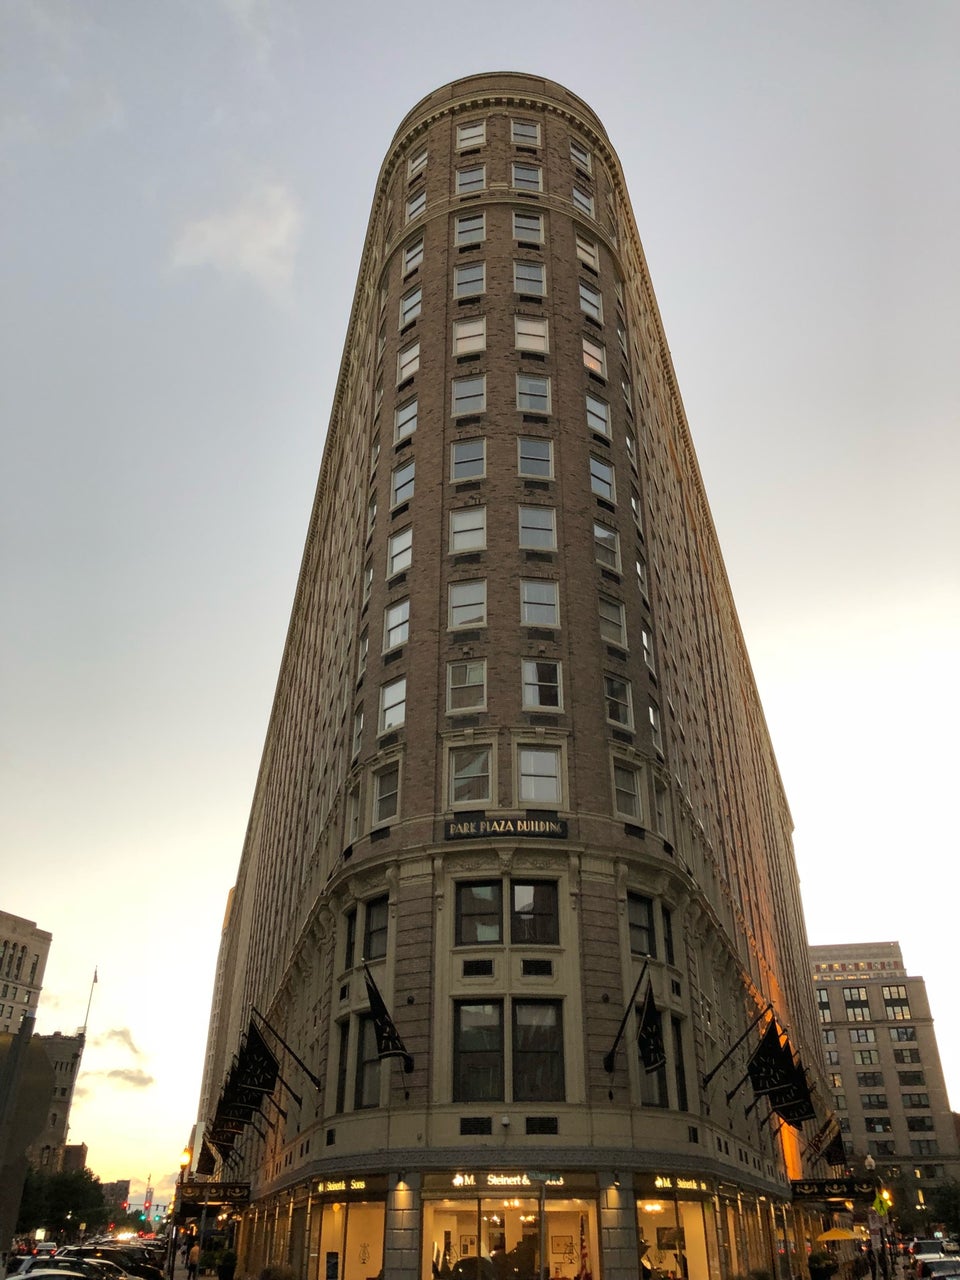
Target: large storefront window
{"points": [[346, 1239], [676, 1235]]}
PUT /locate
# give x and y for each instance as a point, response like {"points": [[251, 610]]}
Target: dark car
{"points": [[132, 1260]]}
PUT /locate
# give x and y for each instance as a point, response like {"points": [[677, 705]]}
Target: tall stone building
{"points": [[517, 764], [23, 957]]}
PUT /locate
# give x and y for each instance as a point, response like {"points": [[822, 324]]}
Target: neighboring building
{"points": [[23, 957], [516, 762], [883, 1063], [46, 1152], [116, 1195], [74, 1158]]}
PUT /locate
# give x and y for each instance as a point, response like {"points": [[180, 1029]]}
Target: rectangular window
{"points": [[646, 641], [539, 775], [525, 132], [583, 201], [528, 227], [602, 479], [468, 459], [401, 483], [591, 302], [400, 552], [468, 529], [469, 279], [533, 393], [606, 546], [539, 602], [393, 704], [357, 739], [411, 304], [659, 802], [612, 624], [470, 228], [594, 357], [467, 685], [896, 1006], [581, 157], [626, 791], [856, 1004], [679, 1070], [343, 1041], [469, 395], [405, 420], [598, 416], [531, 333], [530, 278], [867, 1080], [537, 1051], [640, 925], [538, 528], [866, 1057], [635, 510], [367, 1090], [905, 1055], [527, 177], [873, 1101], [911, 1079], [862, 1035], [471, 134], [915, 1100], [535, 457], [416, 204], [363, 645], [656, 732], [477, 1051], [653, 1083], [413, 255], [417, 163], [467, 604], [542, 685], [534, 914], [375, 923], [471, 179], [479, 913], [618, 701], [829, 1037], [396, 624], [469, 336], [469, 775], [587, 251], [902, 1033], [666, 917], [408, 362]]}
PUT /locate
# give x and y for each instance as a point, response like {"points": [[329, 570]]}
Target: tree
{"points": [[59, 1202]]}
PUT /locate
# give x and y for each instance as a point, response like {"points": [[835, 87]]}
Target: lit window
{"points": [[468, 529], [417, 163], [472, 134], [598, 416], [401, 484], [535, 457], [393, 704], [396, 624], [386, 795], [538, 528], [531, 333], [472, 179], [469, 335], [542, 686], [612, 626], [539, 602], [527, 177], [583, 201], [479, 914], [416, 204], [530, 278], [408, 362], [646, 641], [538, 1051], [468, 459], [602, 479], [469, 395], [641, 569], [640, 925], [405, 420], [467, 685], [412, 255], [528, 227], [400, 552], [656, 732], [467, 604], [594, 357], [525, 132], [587, 251], [618, 702], [606, 545], [410, 306], [539, 775], [470, 228], [580, 156], [626, 790], [591, 302], [533, 393], [469, 775], [477, 1051], [469, 279]]}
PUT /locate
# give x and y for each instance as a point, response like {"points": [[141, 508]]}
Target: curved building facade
{"points": [[516, 771]]}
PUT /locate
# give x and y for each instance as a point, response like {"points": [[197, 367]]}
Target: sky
{"points": [[184, 191]]}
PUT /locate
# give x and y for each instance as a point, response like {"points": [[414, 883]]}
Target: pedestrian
{"points": [[193, 1262], [872, 1262]]}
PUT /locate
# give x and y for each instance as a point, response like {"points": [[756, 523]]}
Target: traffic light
{"points": [[125, 1206]]}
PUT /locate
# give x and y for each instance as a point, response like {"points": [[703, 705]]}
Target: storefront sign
{"points": [[479, 827], [669, 1184], [214, 1193], [341, 1184], [505, 1181], [835, 1189]]}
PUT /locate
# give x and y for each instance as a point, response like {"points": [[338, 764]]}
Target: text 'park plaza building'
{"points": [[517, 900]]}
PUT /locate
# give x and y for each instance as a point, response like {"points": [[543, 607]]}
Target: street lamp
{"points": [[185, 1158]]}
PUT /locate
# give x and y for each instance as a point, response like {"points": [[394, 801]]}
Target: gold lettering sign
{"points": [[481, 827]]}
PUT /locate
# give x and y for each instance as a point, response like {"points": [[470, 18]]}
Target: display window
{"points": [[347, 1240], [675, 1235]]}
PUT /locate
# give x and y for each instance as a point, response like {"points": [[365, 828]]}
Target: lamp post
{"points": [[185, 1157]]}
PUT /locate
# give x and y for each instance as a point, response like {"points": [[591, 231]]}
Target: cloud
{"points": [[258, 238], [119, 1035], [132, 1076]]}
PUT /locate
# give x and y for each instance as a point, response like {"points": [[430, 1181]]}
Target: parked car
{"points": [[937, 1266], [44, 1247]]}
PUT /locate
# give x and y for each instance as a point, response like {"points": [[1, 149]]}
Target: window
{"points": [[375, 922], [591, 303], [393, 704], [468, 459], [646, 642], [470, 228], [469, 336], [915, 1100], [829, 1037], [467, 604], [528, 226], [367, 582], [920, 1124], [401, 483], [363, 646], [896, 1006], [385, 795], [467, 685], [472, 179], [405, 420], [626, 790], [635, 510], [530, 278], [656, 733], [357, 733], [367, 1088], [539, 775], [410, 306], [477, 1051], [606, 546], [538, 528], [525, 132], [535, 457], [583, 201], [472, 134], [527, 177], [902, 1033], [396, 624], [416, 204], [587, 251], [923, 1147], [869, 1080], [417, 163], [469, 279], [911, 1079], [594, 357], [469, 395], [533, 393], [531, 333], [866, 1057], [873, 1101], [408, 362], [906, 1055], [371, 513], [619, 703], [612, 623], [537, 1051], [479, 913], [400, 552], [468, 529], [581, 157], [835, 1080], [412, 255], [856, 1004], [542, 685], [602, 479], [640, 925], [534, 915], [539, 602], [598, 416], [862, 1035], [470, 775]]}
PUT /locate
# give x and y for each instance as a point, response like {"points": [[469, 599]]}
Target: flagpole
{"points": [[611, 1053], [317, 1084], [86, 1016], [737, 1043]]}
